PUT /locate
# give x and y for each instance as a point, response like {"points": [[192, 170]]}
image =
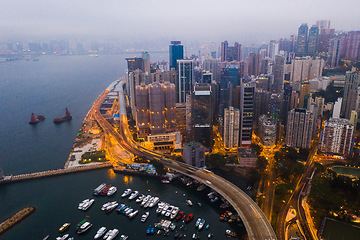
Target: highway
{"points": [[256, 224]]}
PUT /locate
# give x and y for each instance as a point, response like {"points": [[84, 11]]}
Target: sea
{"points": [[46, 87]]}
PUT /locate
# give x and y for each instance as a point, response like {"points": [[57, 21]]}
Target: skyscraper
{"points": [[229, 54], [279, 74], [334, 52], [273, 49], [299, 129], [313, 40], [230, 78], [185, 79], [176, 52], [352, 45], [254, 64], [352, 80], [231, 127], [301, 48], [246, 113]]}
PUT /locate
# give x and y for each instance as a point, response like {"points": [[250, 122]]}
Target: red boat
{"points": [[35, 119], [67, 117], [105, 190], [179, 216], [189, 218]]}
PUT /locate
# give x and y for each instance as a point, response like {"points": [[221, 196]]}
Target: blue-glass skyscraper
{"points": [[176, 52]]}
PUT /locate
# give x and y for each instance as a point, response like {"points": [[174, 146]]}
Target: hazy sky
{"points": [[213, 20]]}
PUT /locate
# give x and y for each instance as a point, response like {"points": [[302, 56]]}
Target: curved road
{"points": [[256, 224]]}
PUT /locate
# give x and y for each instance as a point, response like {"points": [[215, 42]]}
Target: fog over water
{"points": [[244, 21]]}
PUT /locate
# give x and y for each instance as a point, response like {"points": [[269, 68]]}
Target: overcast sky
{"points": [[213, 20]]}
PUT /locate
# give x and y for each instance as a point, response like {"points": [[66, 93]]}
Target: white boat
{"points": [[84, 227], [127, 212], [160, 207], [133, 195], [172, 226], [154, 202], [124, 237], [63, 237], [197, 222], [165, 208], [145, 216], [168, 211], [111, 207], [201, 224], [80, 207], [140, 198], [107, 234], [99, 188], [113, 234], [100, 232], [145, 200], [189, 202], [147, 204], [174, 212], [126, 192], [111, 191], [133, 214], [88, 204], [108, 205]]}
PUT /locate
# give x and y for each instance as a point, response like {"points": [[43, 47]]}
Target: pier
{"points": [[55, 172], [16, 218]]}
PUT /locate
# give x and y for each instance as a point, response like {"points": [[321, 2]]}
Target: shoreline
{"points": [[15, 219]]}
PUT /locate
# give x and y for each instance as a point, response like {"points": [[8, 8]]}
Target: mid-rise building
{"points": [[247, 157], [299, 129], [267, 131], [337, 136], [229, 54], [194, 154], [349, 103], [231, 127]]}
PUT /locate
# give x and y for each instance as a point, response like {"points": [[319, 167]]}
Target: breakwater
{"points": [[16, 218]]}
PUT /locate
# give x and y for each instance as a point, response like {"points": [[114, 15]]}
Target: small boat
{"points": [[172, 226], [111, 191], [154, 201], [140, 198], [189, 217], [207, 226], [200, 204], [150, 230], [110, 207], [168, 211], [99, 188], [214, 199], [201, 187], [145, 200], [84, 205], [64, 227], [195, 236], [46, 237], [124, 237], [230, 233], [201, 225], [145, 216], [121, 207], [84, 227], [100, 232], [189, 202], [126, 192], [164, 181], [35, 119], [179, 216], [197, 222], [81, 223], [174, 212], [133, 195], [210, 235], [147, 204], [133, 214], [63, 237], [107, 234], [183, 217]]}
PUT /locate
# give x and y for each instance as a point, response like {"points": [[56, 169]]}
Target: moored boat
{"points": [[140, 198], [112, 234], [133, 195], [100, 232], [84, 227], [189, 202], [123, 237], [126, 192], [111, 191], [197, 222], [174, 212], [88, 204], [145, 216], [179, 216], [63, 237], [189, 217], [230, 233], [201, 224], [64, 227], [99, 188]]}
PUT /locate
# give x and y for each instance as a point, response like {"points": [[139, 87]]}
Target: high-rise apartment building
{"points": [[229, 54], [301, 47], [304, 95], [337, 136], [176, 52], [305, 68], [349, 102], [285, 107], [313, 40], [352, 45], [231, 127], [194, 154], [186, 79], [334, 52], [254, 64], [273, 49], [299, 129], [279, 74], [247, 98]]}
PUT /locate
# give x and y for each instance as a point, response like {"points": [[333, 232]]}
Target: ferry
{"points": [[84, 227], [100, 232], [145, 216], [201, 224], [111, 191], [126, 192], [63, 237], [133, 195], [64, 227], [99, 188]]}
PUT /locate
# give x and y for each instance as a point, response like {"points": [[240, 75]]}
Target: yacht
{"points": [[100, 232], [145, 216], [80, 207], [140, 198], [145, 200], [133, 214], [133, 195], [88, 204], [111, 191], [174, 212], [63, 237], [147, 204], [154, 201], [126, 192], [84, 227], [113, 234]]}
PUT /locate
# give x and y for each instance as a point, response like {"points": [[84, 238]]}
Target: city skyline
{"points": [[138, 20]]}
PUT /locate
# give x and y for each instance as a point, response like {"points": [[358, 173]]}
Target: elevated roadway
{"points": [[256, 224]]}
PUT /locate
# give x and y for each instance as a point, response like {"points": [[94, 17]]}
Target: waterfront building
{"points": [[247, 157], [267, 131], [186, 79], [176, 52], [313, 40], [302, 41], [337, 136], [202, 110], [229, 54], [299, 129], [231, 127], [349, 103], [194, 154], [165, 141], [278, 72]]}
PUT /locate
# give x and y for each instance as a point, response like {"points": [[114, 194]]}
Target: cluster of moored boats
{"points": [[166, 210]]}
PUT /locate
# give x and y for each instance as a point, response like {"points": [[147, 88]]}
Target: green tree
{"points": [[160, 169], [215, 160]]}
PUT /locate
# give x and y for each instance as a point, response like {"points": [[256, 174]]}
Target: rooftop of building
{"points": [[246, 153]]}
